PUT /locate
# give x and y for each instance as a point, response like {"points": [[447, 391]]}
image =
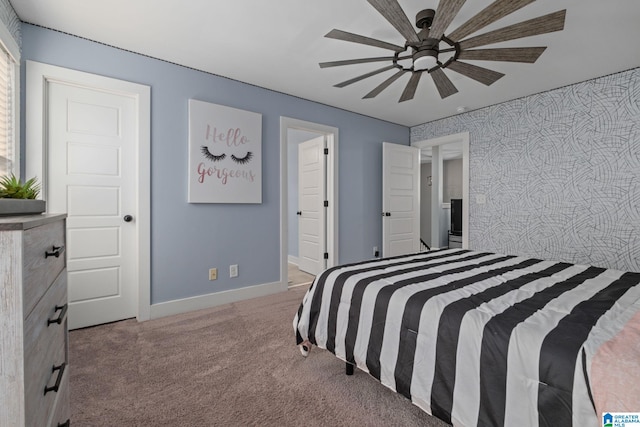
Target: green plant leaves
{"points": [[12, 188]]}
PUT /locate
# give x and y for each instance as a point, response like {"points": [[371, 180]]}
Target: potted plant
{"points": [[19, 198]]}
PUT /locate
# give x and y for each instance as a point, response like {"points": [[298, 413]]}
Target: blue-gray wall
{"points": [[560, 171], [188, 239]]}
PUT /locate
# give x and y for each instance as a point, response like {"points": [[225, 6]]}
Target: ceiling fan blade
{"points": [[533, 27], [443, 84], [393, 13], [446, 11], [479, 74], [515, 54], [364, 76], [356, 61], [361, 61], [385, 84], [356, 38], [496, 10], [410, 89]]}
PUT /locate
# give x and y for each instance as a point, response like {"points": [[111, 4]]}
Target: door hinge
{"points": [[326, 203], [326, 255], [326, 151]]}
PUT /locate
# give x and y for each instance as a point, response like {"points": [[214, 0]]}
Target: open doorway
{"points": [[452, 190], [295, 215], [307, 228], [444, 176]]}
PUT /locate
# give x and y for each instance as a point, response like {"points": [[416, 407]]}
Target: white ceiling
{"points": [[278, 44]]}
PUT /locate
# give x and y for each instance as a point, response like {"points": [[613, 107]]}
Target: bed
{"points": [[479, 338]]}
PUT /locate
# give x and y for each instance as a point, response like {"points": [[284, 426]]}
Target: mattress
{"points": [[479, 338]]}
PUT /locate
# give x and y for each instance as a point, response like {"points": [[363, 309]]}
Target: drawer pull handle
{"points": [[56, 251], [56, 386], [60, 318], [65, 424]]}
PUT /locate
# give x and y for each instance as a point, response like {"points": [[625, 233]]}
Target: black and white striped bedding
{"points": [[474, 338]]}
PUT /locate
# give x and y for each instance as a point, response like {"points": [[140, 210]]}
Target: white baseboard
{"points": [[200, 302], [293, 260]]}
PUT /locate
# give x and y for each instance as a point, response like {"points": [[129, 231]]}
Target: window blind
{"points": [[7, 149]]}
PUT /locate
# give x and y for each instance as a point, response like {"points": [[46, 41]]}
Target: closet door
{"points": [[400, 199], [312, 192]]}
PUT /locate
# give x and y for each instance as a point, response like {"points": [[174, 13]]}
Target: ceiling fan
{"points": [[430, 51]]}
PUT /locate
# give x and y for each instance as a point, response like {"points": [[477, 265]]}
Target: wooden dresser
{"points": [[34, 381]]}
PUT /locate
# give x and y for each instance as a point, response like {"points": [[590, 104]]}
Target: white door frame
{"points": [[332, 190], [463, 138], [39, 75]]}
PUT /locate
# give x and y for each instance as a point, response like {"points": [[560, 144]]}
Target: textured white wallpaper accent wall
{"points": [[560, 171]]}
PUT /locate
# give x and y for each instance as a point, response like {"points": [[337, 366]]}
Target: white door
{"points": [[91, 176], [311, 210], [400, 199]]}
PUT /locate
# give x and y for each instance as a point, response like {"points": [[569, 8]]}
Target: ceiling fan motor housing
{"points": [[425, 55], [425, 59]]}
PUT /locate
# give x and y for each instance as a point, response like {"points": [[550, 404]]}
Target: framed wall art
{"points": [[225, 154]]}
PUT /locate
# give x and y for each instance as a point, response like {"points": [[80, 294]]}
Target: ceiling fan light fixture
{"points": [[425, 60], [434, 49]]}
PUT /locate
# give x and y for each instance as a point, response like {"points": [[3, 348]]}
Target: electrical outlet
{"points": [[213, 273], [233, 270]]}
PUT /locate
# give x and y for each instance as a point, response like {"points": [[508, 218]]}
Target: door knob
{"points": [[299, 213], [127, 218]]}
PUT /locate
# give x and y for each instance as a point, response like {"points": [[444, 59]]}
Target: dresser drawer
{"points": [[45, 352], [62, 412], [39, 268]]}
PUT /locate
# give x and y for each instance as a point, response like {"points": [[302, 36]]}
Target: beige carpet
{"points": [[297, 276], [234, 365]]}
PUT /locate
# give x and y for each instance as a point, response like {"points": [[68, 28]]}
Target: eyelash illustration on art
{"points": [[243, 160], [211, 156]]}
